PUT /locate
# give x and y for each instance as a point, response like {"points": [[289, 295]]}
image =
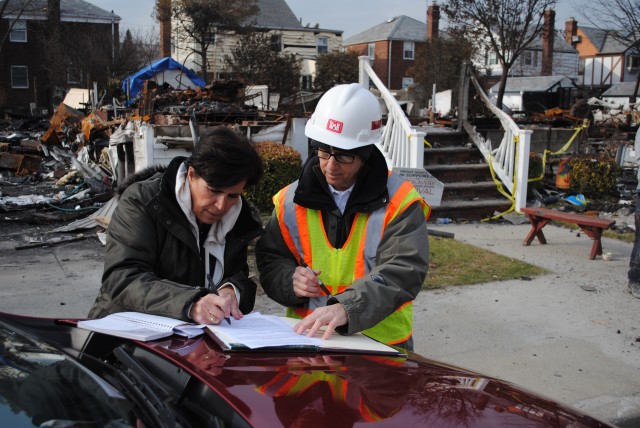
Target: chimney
{"points": [[571, 31], [433, 21], [164, 17], [547, 42]]}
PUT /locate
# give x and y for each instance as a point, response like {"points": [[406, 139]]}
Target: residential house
{"points": [[287, 33], [51, 46], [604, 59], [548, 55], [392, 46], [535, 93]]}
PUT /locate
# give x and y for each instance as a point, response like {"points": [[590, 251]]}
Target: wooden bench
{"points": [[591, 226]]}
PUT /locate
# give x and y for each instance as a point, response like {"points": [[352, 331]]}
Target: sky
{"points": [[350, 16]]}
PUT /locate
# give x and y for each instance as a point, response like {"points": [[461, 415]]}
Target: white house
{"points": [[548, 55], [287, 33]]}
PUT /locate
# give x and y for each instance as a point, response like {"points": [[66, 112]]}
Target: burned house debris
{"points": [[66, 169]]}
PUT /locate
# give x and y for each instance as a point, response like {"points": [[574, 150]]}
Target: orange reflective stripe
{"points": [[262, 389], [287, 387], [298, 312], [278, 201], [359, 268], [303, 231], [387, 361], [367, 414], [396, 202]]}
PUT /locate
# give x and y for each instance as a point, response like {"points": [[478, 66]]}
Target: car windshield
{"points": [[39, 386]]}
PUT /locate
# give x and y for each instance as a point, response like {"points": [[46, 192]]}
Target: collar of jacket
{"points": [[369, 193]]}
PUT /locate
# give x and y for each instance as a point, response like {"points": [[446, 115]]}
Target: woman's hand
{"points": [[211, 309]]}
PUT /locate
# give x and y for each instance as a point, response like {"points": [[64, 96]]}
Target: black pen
{"points": [[320, 284], [215, 291]]}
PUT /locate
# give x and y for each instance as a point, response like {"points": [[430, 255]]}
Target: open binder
{"points": [[271, 333], [141, 326]]}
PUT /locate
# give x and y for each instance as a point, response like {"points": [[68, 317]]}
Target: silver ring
{"points": [[212, 318]]}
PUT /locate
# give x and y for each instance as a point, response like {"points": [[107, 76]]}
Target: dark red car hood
{"points": [[343, 390], [270, 389]]}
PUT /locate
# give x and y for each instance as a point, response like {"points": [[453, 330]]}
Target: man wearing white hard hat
{"points": [[347, 245]]}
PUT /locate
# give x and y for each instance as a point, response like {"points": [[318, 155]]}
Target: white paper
{"points": [[257, 331]]}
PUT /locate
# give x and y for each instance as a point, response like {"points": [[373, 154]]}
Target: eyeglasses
{"points": [[339, 157]]}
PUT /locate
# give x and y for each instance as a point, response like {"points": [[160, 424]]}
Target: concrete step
{"points": [[466, 210], [468, 190], [452, 155], [473, 172]]}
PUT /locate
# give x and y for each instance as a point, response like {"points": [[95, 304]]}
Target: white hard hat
{"points": [[347, 117]]}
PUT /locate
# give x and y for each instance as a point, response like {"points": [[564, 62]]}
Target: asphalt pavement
{"points": [[572, 335]]}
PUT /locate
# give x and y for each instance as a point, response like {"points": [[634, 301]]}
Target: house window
{"points": [[407, 82], [19, 76], [73, 74], [408, 50], [581, 65], [323, 45], [276, 43], [19, 31], [633, 62], [211, 38], [306, 82], [371, 50], [492, 58], [530, 58]]}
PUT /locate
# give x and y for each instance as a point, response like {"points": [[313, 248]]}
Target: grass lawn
{"points": [[454, 263]]}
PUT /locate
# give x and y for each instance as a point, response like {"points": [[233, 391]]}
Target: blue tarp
{"points": [[135, 82]]}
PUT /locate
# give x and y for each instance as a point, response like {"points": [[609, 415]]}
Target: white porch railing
{"points": [[509, 162], [402, 146]]}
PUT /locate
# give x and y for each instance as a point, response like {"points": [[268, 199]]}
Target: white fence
{"points": [[402, 145], [509, 162]]}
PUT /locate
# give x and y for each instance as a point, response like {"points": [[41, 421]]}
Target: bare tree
{"points": [[438, 62], [509, 26], [137, 49], [621, 20], [334, 68], [199, 20], [253, 61]]}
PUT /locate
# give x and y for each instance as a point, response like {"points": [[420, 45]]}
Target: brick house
{"points": [[392, 47], [51, 46]]}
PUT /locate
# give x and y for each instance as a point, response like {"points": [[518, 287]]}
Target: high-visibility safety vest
{"points": [[304, 234]]}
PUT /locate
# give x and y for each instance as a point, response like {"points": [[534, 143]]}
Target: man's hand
{"points": [[331, 316], [305, 282], [212, 309]]}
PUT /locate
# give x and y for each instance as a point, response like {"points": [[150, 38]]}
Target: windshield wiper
{"points": [[147, 392]]}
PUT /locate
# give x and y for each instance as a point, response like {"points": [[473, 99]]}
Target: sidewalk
{"points": [[572, 335]]}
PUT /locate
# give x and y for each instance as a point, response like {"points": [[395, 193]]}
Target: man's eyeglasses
{"points": [[339, 157]]}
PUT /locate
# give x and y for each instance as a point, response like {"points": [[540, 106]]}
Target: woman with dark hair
{"points": [[177, 240]]}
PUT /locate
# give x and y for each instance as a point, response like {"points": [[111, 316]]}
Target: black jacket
{"points": [[152, 258]]}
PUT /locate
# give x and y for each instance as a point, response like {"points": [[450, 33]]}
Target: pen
{"points": [[320, 284], [215, 291]]}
